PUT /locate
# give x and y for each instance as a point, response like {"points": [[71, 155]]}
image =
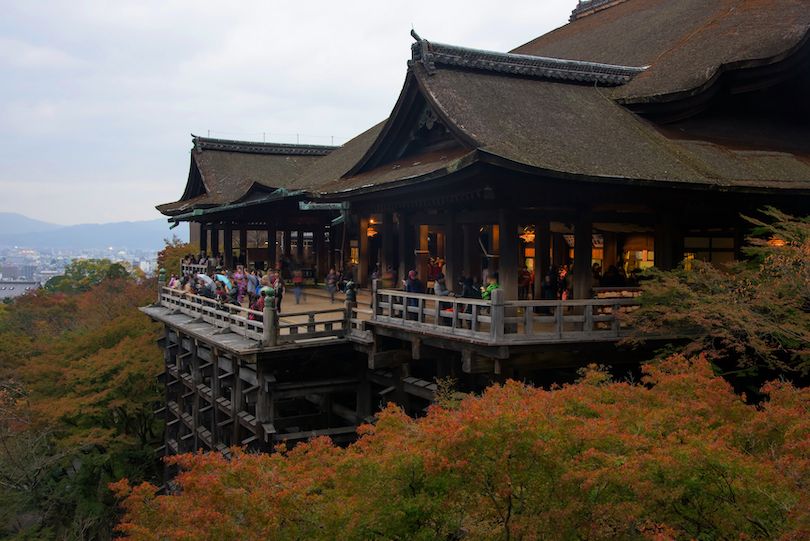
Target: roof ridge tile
{"points": [[250, 147], [431, 54]]}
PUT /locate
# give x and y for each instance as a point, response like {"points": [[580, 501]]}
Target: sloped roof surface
{"points": [[338, 163], [229, 169], [684, 42], [575, 129]]}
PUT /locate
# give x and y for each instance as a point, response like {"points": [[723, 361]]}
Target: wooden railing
{"points": [[293, 327], [503, 322], [223, 316], [197, 269]]}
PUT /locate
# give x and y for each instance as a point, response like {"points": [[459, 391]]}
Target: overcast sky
{"points": [[98, 98]]}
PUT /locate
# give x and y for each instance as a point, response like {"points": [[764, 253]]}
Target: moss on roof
{"points": [[684, 42]]}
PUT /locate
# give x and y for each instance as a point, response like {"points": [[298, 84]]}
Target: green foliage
{"points": [[757, 313], [81, 275], [170, 257], [676, 457], [87, 363]]}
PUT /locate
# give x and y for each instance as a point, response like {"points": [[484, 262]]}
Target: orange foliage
{"points": [[677, 457]]}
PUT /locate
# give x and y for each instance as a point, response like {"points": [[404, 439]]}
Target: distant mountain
{"points": [[146, 235], [12, 223]]}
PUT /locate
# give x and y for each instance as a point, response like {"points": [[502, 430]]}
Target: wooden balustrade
{"points": [[332, 322], [494, 322], [503, 322]]}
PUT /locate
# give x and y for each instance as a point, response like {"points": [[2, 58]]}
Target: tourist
{"points": [[278, 285], [331, 284], [492, 285], [524, 282], [252, 285], [298, 283], [440, 287], [414, 285]]}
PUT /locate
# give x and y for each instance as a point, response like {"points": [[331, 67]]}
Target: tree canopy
{"points": [[76, 404], [677, 456], [755, 312]]}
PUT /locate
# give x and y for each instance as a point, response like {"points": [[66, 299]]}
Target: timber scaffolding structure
{"points": [[235, 376]]}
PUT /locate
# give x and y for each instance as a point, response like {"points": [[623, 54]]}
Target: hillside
{"points": [[12, 223], [28, 233]]}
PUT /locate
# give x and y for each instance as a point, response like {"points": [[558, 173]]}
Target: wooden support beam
{"points": [[387, 359], [471, 363]]}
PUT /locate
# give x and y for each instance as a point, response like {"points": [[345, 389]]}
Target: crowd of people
{"points": [[250, 288]]}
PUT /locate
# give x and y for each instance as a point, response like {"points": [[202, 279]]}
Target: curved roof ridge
{"points": [[250, 147], [430, 54], [586, 7]]}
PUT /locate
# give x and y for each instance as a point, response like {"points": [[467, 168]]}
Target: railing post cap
{"points": [[162, 273]]}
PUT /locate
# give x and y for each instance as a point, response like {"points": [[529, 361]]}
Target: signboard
{"points": [[307, 205]]}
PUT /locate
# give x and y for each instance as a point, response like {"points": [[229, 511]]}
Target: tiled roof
{"points": [[586, 7], [249, 147], [431, 54]]}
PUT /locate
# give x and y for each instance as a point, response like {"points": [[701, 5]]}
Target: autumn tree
{"points": [[170, 257], [677, 456], [87, 364], [756, 312]]}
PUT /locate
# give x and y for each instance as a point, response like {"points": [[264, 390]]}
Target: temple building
{"points": [[638, 134]]}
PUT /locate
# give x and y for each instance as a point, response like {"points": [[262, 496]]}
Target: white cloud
{"points": [[98, 98]]}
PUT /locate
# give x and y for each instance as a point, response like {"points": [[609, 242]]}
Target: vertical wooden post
{"points": [[228, 247], [583, 253], [299, 252], [387, 241], [161, 285], [497, 314], [319, 243], [508, 254], [406, 247], [243, 235], [270, 321], [215, 240], [424, 257], [542, 249], [349, 306], [361, 273], [455, 253], [271, 248], [665, 243], [376, 285], [237, 401], [203, 238]]}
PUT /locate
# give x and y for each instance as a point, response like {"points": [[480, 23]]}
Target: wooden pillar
{"points": [[271, 248], [387, 241], [286, 242], [508, 253], [424, 256], [455, 253], [299, 255], [203, 238], [216, 415], [583, 251], [406, 247], [559, 252], [243, 234], [237, 402], [610, 251], [319, 244], [361, 272], [472, 261], [542, 255], [215, 240], [665, 243], [228, 247]]}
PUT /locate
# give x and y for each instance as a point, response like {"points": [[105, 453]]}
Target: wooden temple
{"points": [[638, 134]]}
